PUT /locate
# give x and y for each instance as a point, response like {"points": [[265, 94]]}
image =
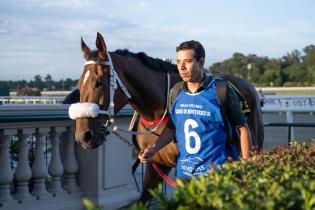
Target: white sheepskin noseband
{"points": [[82, 110]]}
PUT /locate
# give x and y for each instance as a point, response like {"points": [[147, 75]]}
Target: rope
{"points": [[166, 178]]}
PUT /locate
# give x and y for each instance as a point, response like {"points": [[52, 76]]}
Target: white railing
{"points": [[291, 89], [49, 93], [102, 175], [274, 101], [289, 104], [31, 99], [290, 101]]}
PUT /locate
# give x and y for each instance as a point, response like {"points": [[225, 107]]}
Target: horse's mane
{"points": [[153, 63]]}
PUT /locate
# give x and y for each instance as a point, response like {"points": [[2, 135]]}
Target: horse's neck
{"points": [[148, 88]]}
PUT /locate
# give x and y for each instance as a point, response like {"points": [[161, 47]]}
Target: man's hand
{"points": [[146, 156], [165, 138]]}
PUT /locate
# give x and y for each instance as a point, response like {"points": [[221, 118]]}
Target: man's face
{"points": [[188, 68]]}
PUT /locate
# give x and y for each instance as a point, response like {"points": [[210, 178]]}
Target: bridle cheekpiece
{"points": [[92, 110]]}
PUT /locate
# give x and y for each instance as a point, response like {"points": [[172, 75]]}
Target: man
{"points": [[261, 98], [196, 121]]}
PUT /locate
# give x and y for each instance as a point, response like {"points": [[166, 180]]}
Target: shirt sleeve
{"points": [[234, 111]]}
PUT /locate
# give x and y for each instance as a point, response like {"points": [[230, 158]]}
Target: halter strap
{"points": [[158, 123], [114, 79], [89, 62], [93, 62]]}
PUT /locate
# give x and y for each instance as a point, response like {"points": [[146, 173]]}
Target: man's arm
{"points": [[165, 138], [237, 118], [245, 139]]}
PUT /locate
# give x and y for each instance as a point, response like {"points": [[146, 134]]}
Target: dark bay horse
{"points": [[141, 83]]}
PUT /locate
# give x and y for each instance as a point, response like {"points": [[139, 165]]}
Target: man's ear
{"points": [[202, 61]]}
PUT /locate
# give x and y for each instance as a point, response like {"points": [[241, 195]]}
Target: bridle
{"points": [[114, 79], [92, 110]]}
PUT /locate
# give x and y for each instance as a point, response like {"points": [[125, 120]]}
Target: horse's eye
{"points": [[100, 83]]}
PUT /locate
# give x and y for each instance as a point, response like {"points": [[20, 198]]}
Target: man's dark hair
{"points": [[193, 45]]}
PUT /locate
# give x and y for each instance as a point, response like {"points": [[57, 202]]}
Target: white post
{"points": [[70, 162], [55, 167], [6, 175], [23, 171], [39, 168], [290, 120]]}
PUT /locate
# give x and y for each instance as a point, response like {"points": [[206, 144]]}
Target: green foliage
{"points": [[4, 89], [42, 84], [292, 69], [89, 205], [139, 206], [282, 178]]}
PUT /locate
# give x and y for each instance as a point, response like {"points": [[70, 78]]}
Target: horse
{"points": [[112, 79], [28, 91]]}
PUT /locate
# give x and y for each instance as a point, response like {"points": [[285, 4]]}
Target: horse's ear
{"points": [[86, 50], [100, 44]]}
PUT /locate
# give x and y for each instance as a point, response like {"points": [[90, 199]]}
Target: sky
{"points": [[43, 36]]}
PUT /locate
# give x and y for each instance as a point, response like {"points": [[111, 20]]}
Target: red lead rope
{"points": [[164, 176], [156, 167]]}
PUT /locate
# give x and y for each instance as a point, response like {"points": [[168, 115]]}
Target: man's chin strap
{"points": [[81, 110]]}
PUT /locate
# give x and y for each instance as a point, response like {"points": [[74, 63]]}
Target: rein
{"points": [[164, 176]]}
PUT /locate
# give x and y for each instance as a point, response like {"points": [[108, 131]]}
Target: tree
{"points": [[309, 58], [38, 82], [49, 82], [297, 75], [68, 83], [309, 62], [292, 58], [272, 74]]}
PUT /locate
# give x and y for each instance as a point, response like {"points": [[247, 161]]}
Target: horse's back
{"points": [[73, 97]]}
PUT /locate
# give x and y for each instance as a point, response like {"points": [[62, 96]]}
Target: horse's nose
{"points": [[88, 136]]}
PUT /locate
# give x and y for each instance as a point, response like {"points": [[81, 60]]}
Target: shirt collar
{"points": [[205, 82]]}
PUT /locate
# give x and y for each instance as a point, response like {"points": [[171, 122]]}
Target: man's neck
{"points": [[194, 86]]}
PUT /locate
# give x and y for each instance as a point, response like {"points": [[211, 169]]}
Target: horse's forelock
{"points": [[94, 55]]}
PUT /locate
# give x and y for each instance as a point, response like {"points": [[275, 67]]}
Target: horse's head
{"points": [[92, 113]]}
